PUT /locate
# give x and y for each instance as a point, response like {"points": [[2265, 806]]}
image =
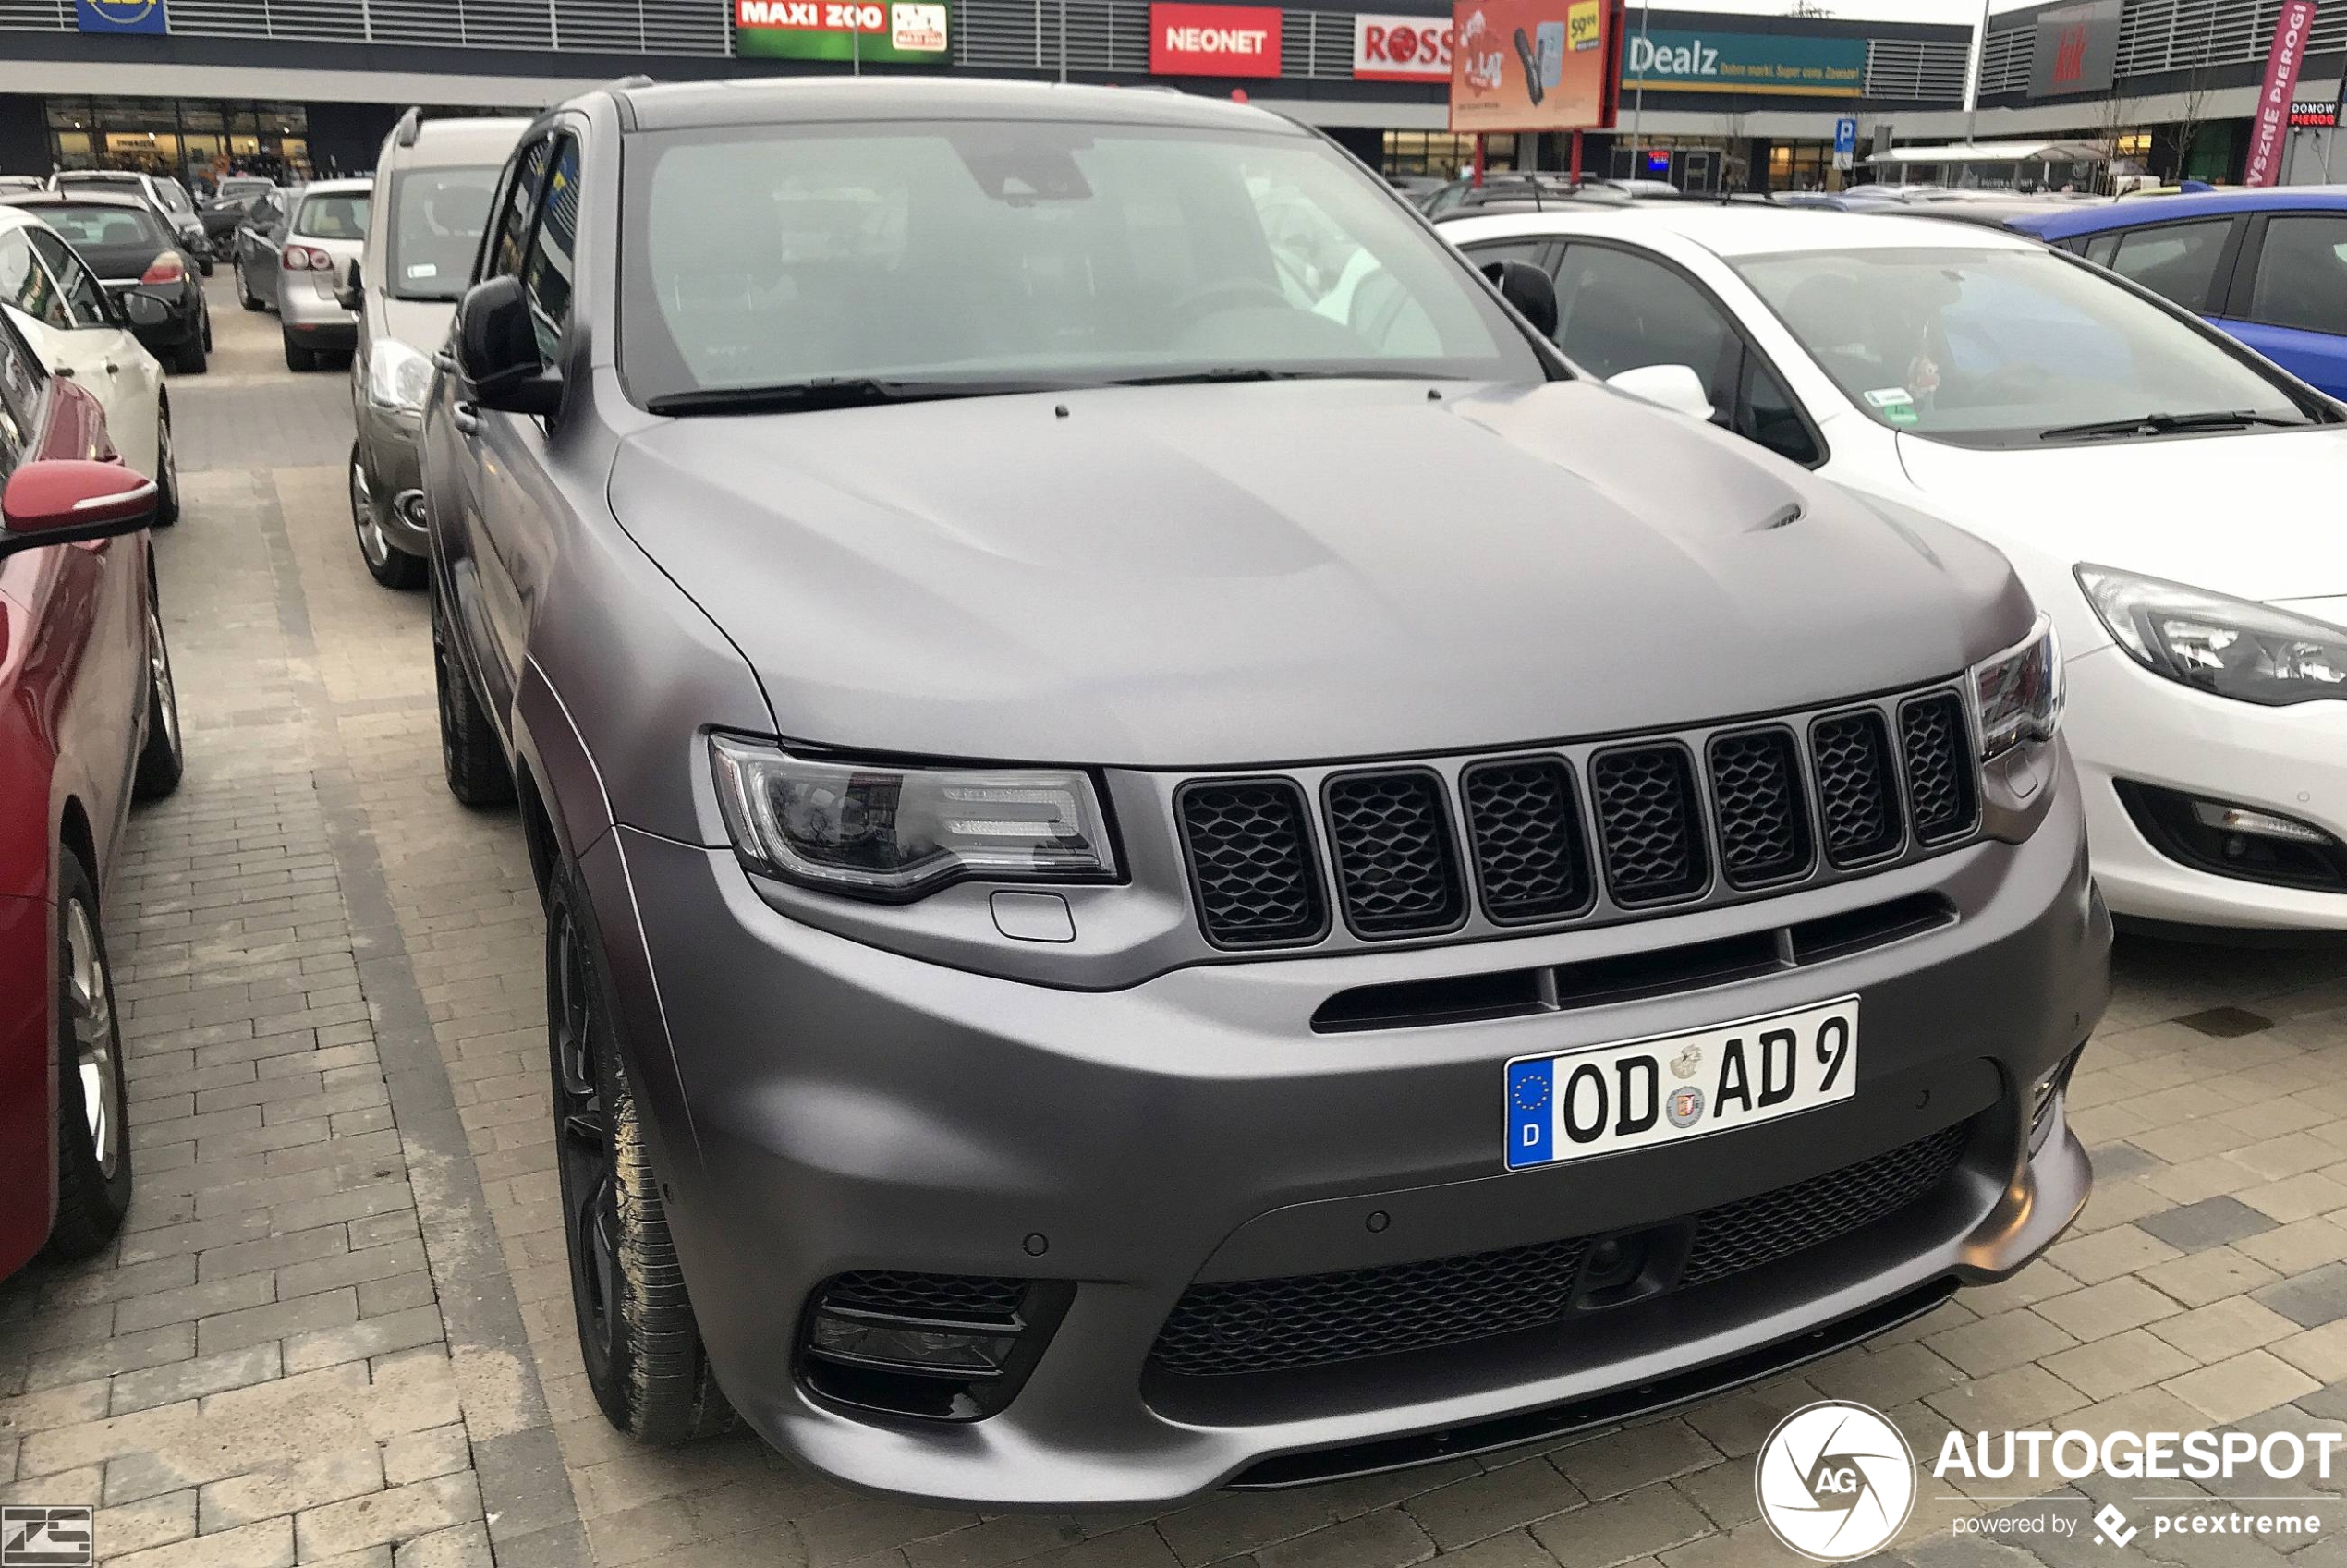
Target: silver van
{"points": [[432, 182]]}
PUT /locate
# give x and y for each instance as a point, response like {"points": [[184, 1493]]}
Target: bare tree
{"points": [[2114, 115], [2193, 117], [1807, 8], [1736, 173]]}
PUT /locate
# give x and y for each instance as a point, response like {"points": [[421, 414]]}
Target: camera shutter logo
{"points": [[1835, 1481], [46, 1537]]}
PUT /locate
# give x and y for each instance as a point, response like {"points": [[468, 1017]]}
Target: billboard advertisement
{"points": [[1188, 40], [1528, 65], [2077, 50], [2270, 129], [902, 31], [1400, 48], [1669, 60]]}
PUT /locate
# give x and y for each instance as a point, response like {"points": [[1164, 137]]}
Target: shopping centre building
{"points": [[201, 86]]}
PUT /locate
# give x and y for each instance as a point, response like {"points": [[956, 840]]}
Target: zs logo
{"points": [[46, 1537]]}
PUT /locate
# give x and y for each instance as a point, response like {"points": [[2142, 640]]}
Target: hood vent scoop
{"points": [[1783, 517]]}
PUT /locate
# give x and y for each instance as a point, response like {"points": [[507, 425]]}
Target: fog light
{"points": [[2264, 825], [893, 1344]]}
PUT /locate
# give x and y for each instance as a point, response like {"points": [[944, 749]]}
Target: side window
{"points": [[545, 276], [25, 283], [2302, 274], [512, 234], [84, 297], [21, 380], [2178, 260], [2100, 248], [1766, 413], [1617, 312], [1507, 250]]}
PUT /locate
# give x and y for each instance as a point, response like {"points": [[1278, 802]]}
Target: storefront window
{"points": [[1443, 156], [196, 140]]}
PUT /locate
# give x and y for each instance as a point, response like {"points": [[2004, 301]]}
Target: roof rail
{"points": [[634, 79], [409, 123]]}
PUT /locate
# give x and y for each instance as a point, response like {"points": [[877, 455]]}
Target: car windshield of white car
{"points": [[1997, 347], [1009, 254], [436, 219]]}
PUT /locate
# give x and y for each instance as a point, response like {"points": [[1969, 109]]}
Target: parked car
{"points": [[139, 263], [228, 208], [1106, 828], [11, 185], [162, 192], [432, 180], [314, 251], [79, 330], [2269, 266], [2165, 494], [259, 240], [88, 717]]}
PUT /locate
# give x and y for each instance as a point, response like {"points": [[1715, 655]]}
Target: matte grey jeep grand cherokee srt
{"points": [[1172, 857]]}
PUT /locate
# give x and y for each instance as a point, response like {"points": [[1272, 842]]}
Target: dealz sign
{"points": [[912, 31]]}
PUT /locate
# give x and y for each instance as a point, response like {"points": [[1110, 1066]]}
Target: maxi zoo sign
{"points": [[912, 31]]}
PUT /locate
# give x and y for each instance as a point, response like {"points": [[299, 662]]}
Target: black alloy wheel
{"points": [[637, 1334]]}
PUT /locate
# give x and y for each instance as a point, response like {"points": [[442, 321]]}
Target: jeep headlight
{"points": [[890, 831], [2017, 694], [397, 377], [2230, 647]]}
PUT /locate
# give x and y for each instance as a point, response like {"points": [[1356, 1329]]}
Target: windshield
{"points": [[1009, 251], [84, 227], [436, 219], [336, 216], [1996, 347]]}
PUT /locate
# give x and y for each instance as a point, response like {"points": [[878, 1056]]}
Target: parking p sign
{"points": [[1845, 142]]}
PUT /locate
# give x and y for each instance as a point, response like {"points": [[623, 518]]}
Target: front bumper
{"points": [[825, 1106], [2127, 724], [389, 446]]}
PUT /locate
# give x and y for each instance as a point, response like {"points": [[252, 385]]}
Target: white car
{"points": [[2170, 498], [60, 306]]}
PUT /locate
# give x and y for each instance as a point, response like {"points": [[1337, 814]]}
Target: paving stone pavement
{"points": [[337, 1326]]}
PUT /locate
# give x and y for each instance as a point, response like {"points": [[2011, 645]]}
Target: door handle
{"points": [[465, 417]]}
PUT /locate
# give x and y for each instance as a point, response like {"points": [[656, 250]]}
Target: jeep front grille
{"points": [[1592, 831]]}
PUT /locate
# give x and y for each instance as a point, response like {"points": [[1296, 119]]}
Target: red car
{"points": [[87, 720]]}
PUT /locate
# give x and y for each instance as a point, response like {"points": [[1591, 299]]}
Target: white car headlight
{"points": [[897, 832], [2230, 647], [397, 377], [2018, 693]]}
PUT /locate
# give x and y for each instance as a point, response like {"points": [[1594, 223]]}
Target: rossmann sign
{"points": [[1400, 48]]}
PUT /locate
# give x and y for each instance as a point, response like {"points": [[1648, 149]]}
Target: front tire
{"points": [[166, 469], [245, 296], [162, 758], [642, 1348], [189, 359], [386, 562], [94, 1146], [470, 752]]}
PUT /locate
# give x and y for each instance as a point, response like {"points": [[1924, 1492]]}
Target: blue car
{"points": [[2268, 266]]}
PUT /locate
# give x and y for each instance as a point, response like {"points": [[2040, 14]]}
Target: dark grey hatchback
{"points": [[1173, 857]]}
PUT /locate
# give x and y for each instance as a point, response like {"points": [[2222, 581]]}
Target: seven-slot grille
{"points": [[1648, 823]]}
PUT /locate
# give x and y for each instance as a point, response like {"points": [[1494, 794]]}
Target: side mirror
{"points": [[1675, 387], [354, 294], [62, 500], [144, 309], [1530, 290], [497, 352]]}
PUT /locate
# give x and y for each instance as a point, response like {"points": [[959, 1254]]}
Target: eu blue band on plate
{"points": [[1531, 1113]]}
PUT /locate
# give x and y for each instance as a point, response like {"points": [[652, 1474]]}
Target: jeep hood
{"points": [[1232, 574]]}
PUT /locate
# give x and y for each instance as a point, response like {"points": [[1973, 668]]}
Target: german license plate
{"points": [[1670, 1088]]}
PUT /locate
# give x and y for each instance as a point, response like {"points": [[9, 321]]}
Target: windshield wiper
{"points": [[832, 392], [2166, 424]]}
